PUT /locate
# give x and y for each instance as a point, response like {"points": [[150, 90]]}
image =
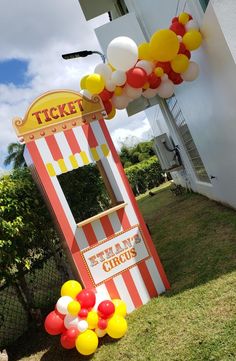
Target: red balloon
{"points": [[106, 95], [175, 77], [136, 77], [86, 298], [175, 19], [177, 28], [102, 324], [67, 342], [183, 50], [54, 323], [83, 313], [106, 309], [154, 81], [72, 332], [165, 66], [187, 53], [108, 106]]}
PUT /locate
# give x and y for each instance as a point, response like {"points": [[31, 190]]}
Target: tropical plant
{"points": [[15, 155]]}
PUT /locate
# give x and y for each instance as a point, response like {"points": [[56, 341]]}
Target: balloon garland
{"points": [[146, 70], [81, 319]]}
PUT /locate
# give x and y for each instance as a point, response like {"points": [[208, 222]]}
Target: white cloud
{"points": [[40, 33]]}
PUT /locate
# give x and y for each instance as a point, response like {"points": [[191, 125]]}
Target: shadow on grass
{"points": [[194, 236]]}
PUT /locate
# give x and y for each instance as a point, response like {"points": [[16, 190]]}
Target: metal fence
{"points": [[26, 299]]}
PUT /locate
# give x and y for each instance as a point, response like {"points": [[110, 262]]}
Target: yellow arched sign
{"points": [[57, 111]]}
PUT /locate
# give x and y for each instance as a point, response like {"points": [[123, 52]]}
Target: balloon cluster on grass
{"points": [[146, 70], [81, 319]]}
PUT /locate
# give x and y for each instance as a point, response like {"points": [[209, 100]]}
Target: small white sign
{"points": [[115, 255]]}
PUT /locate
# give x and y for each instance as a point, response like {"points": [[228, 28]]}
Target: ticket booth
{"points": [[112, 251]]}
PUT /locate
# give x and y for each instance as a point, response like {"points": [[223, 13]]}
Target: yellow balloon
{"points": [[120, 307], [87, 342], [74, 308], [146, 85], [164, 45], [95, 83], [183, 18], [83, 82], [118, 90], [92, 319], [159, 71], [192, 39], [117, 326], [71, 288], [111, 114], [180, 63], [144, 52]]}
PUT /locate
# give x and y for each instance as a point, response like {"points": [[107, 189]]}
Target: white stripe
{"points": [[155, 275], [46, 154], [97, 130], [140, 285], [112, 179], [129, 208], [81, 239], [79, 160], [101, 295], [115, 222], [64, 148], [124, 293], [83, 142], [64, 203], [98, 230]]}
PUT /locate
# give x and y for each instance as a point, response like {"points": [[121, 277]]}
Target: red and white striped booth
{"points": [[112, 251]]}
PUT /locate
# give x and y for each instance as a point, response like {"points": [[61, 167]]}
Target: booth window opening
{"points": [[88, 191]]}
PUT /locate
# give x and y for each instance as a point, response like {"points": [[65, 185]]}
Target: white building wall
{"points": [[208, 103]]}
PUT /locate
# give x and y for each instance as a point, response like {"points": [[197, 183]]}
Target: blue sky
{"points": [[13, 71], [31, 62]]}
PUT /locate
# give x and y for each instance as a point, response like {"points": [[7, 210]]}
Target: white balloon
{"points": [[131, 92], [191, 24], [119, 77], [70, 321], [180, 38], [149, 93], [99, 332], [166, 89], [122, 53], [191, 73], [63, 303], [164, 77], [120, 102], [146, 65], [110, 85], [82, 325], [86, 93], [104, 70]]}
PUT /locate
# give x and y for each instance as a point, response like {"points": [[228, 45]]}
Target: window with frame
{"points": [[187, 139]]}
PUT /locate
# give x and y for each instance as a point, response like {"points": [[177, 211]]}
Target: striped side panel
{"points": [[135, 209]]}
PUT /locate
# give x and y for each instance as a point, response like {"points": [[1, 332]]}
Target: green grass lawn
{"points": [[196, 319]]}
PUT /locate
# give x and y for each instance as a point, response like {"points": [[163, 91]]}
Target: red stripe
{"points": [[134, 204], [90, 234], [59, 212], [147, 279], [124, 220], [89, 134], [112, 290], [134, 294], [72, 141], [107, 227], [54, 148]]}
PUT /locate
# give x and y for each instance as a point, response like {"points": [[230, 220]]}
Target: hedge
{"points": [[144, 175]]}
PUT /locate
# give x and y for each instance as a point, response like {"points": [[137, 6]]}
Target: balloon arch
{"points": [[146, 70]]}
